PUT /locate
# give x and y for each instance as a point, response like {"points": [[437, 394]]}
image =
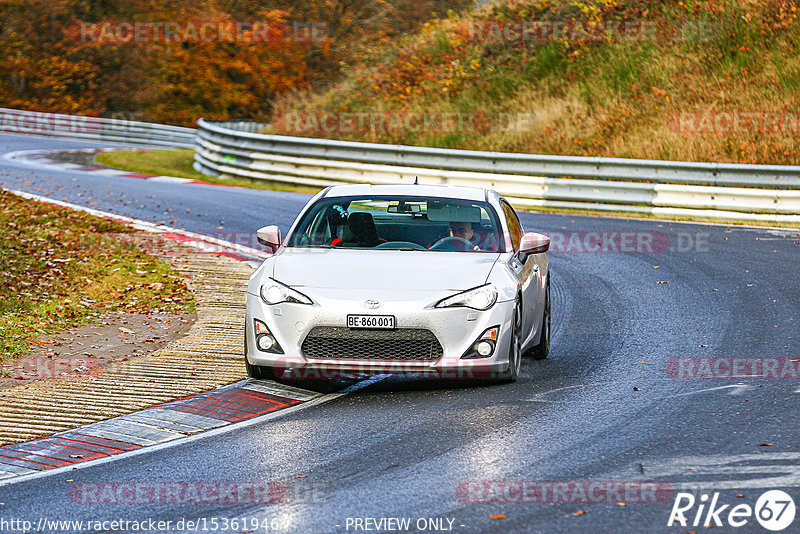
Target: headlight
{"points": [[480, 298], [273, 292]]}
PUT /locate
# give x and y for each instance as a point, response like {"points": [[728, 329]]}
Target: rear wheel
{"points": [[542, 349]]}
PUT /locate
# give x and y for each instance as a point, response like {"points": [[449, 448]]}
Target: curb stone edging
{"points": [[208, 357], [96, 415]]}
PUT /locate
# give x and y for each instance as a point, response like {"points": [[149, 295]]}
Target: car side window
{"points": [[514, 227]]}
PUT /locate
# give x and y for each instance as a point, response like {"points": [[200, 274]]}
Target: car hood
{"points": [[382, 269]]}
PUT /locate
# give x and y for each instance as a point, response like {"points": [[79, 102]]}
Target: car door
{"points": [[528, 273]]}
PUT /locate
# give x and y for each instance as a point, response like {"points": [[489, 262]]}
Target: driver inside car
{"points": [[464, 231]]}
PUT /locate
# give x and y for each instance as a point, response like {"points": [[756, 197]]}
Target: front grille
{"points": [[346, 344]]}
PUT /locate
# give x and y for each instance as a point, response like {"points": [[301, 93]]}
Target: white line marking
{"points": [[738, 389], [169, 179], [727, 470], [70, 166], [200, 241], [111, 172], [539, 397]]}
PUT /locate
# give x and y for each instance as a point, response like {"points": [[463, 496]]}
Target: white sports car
{"points": [[405, 279]]}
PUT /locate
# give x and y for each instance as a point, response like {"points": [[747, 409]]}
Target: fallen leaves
{"points": [[62, 268]]}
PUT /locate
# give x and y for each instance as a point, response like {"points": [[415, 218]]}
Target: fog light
{"points": [[484, 348], [265, 342]]}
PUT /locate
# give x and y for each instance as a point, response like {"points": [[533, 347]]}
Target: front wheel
{"points": [[260, 372], [514, 350], [542, 349]]}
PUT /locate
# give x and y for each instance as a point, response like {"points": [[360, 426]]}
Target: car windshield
{"points": [[400, 223]]}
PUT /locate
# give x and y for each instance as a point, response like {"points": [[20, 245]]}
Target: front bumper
{"points": [[456, 329]]}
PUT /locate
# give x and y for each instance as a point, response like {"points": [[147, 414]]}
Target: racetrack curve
{"points": [[602, 407]]}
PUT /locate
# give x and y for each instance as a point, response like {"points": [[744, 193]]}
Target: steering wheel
{"points": [[453, 244]]}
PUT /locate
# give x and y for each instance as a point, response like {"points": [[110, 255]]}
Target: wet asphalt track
{"points": [[603, 407]]}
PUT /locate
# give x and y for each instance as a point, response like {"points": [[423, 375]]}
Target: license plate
{"points": [[378, 322]]}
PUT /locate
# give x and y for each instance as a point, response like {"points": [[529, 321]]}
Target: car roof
{"points": [[423, 190]]}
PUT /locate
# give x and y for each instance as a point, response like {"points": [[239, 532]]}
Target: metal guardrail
{"points": [[95, 128], [236, 148], [709, 190]]}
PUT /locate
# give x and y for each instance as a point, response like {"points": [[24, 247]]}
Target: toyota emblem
{"points": [[372, 304]]}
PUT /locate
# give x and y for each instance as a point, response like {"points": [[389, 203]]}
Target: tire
{"points": [[259, 372], [542, 349], [514, 350]]}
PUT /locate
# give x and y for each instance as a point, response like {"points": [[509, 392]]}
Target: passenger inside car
{"points": [[359, 231]]}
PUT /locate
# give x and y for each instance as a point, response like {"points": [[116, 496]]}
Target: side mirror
{"points": [[533, 243], [269, 236]]}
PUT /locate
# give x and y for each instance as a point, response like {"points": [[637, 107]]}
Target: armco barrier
{"points": [[710, 190], [717, 191], [95, 128]]}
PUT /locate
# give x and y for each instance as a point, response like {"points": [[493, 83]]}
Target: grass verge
{"points": [[63, 269], [178, 163], [669, 80]]}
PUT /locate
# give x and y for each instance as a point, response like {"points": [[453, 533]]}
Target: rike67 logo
{"points": [[774, 510]]}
